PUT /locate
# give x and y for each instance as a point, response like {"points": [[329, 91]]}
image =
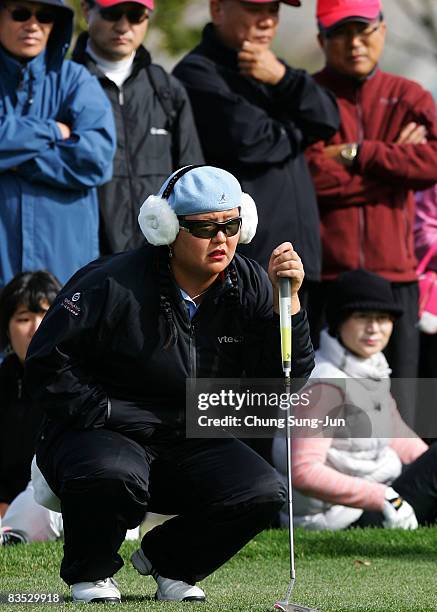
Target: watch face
{"points": [[349, 152]]}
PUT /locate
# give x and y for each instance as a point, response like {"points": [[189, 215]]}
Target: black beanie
{"points": [[359, 290]]}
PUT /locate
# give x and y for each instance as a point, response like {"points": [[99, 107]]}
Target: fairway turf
{"points": [[371, 570]]}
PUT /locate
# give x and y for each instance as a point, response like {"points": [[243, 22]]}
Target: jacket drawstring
{"points": [[30, 84], [30, 90]]}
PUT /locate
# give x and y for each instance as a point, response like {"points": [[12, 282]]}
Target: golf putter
{"points": [[285, 324]]}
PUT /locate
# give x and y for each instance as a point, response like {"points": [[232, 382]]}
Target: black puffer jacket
{"points": [[259, 133], [148, 149], [20, 423], [120, 329]]}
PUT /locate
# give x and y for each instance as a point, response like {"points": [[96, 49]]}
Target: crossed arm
{"points": [[72, 154]]}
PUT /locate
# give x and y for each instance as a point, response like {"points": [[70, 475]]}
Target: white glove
{"points": [[398, 513]]}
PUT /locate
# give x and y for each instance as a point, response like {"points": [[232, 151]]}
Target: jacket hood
{"points": [[60, 36]]}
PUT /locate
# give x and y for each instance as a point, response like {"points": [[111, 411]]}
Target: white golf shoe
{"points": [[9, 537], [101, 591], [168, 589]]}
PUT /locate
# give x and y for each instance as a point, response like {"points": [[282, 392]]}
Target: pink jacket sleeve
{"points": [[314, 478], [425, 226], [405, 442]]}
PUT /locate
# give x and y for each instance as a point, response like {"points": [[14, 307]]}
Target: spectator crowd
{"points": [[342, 164]]}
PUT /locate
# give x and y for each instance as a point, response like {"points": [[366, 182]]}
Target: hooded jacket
{"points": [[148, 148], [367, 211], [120, 330], [49, 213], [259, 133]]}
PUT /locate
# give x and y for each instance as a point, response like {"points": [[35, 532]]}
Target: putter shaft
{"points": [[286, 346]]}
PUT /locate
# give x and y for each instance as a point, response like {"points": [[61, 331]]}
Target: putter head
{"points": [[291, 607]]}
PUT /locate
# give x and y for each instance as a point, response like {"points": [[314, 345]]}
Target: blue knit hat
{"points": [[194, 190]]}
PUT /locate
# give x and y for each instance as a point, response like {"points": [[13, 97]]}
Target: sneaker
{"points": [[101, 591], [9, 537], [168, 589]]}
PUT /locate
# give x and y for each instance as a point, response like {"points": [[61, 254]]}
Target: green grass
{"points": [[353, 571]]}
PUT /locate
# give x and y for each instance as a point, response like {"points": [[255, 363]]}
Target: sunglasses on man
{"points": [[210, 229], [23, 14], [134, 14]]}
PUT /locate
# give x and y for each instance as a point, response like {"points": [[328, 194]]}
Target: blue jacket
{"points": [[48, 198]]}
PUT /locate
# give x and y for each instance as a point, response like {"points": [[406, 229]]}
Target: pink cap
{"points": [[290, 2], [147, 3], [332, 12]]}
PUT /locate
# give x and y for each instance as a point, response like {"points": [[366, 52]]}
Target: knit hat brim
{"points": [[393, 309]]}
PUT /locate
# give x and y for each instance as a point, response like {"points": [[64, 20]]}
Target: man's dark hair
{"points": [[28, 289]]}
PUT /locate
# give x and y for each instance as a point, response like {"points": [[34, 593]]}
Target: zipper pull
{"points": [[20, 388], [120, 97]]}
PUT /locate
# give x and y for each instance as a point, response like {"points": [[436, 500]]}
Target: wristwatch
{"points": [[349, 153]]}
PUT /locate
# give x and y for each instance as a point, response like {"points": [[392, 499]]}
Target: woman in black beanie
{"points": [[362, 291], [388, 481]]}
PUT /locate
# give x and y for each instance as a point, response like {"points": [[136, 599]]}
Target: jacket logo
{"points": [[230, 339], [75, 297], [158, 131], [71, 306]]}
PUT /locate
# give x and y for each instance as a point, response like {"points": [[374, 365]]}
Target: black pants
{"points": [[418, 486], [428, 369], [222, 492], [402, 351]]}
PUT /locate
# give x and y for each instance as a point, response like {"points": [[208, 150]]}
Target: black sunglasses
{"points": [[22, 14], [134, 14], [210, 229]]}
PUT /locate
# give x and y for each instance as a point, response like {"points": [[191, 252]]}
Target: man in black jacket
{"points": [[255, 116], [110, 363], [155, 128]]}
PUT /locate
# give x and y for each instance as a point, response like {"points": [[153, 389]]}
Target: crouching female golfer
{"points": [[109, 365]]}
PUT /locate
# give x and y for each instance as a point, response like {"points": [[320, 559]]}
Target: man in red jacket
{"points": [[365, 176]]}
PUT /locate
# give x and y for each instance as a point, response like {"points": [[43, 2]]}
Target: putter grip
{"points": [[285, 322]]}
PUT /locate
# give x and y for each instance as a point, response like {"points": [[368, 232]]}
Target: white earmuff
{"points": [[249, 217], [158, 221]]}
